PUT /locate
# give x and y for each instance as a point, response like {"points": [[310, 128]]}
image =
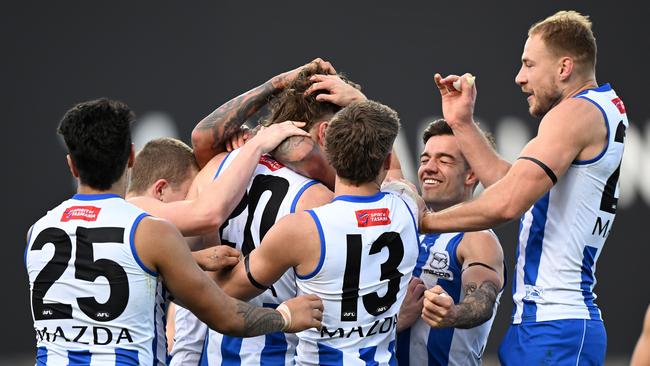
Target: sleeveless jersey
{"points": [[562, 234], [272, 193], [421, 345], [369, 248], [93, 301], [189, 336]]}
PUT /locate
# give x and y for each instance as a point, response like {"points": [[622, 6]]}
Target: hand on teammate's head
{"points": [[238, 139], [334, 90], [268, 138]]}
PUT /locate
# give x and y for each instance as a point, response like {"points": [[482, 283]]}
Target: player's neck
{"points": [[118, 188], [344, 188], [579, 86]]}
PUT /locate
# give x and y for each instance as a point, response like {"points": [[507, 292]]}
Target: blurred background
{"points": [[174, 62]]}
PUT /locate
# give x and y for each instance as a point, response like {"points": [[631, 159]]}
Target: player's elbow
{"points": [[507, 210], [201, 146], [206, 221]]}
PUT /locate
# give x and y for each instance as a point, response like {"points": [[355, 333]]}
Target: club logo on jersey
{"points": [[533, 293], [86, 213], [439, 266], [619, 104], [270, 163], [372, 217]]}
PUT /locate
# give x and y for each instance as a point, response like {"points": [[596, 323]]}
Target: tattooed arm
{"points": [[482, 279], [211, 133]]}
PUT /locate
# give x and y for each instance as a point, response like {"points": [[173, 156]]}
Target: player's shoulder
{"points": [[153, 228], [573, 113], [316, 195], [485, 241]]}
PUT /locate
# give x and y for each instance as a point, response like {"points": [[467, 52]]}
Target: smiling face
{"points": [[538, 76], [444, 175]]}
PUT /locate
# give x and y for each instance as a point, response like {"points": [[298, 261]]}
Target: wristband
{"points": [[286, 315]]}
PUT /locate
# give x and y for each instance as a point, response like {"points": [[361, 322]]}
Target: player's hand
{"points": [[335, 90], [438, 309], [457, 106], [217, 258], [403, 187], [412, 306], [305, 311], [268, 138], [238, 139], [283, 80]]}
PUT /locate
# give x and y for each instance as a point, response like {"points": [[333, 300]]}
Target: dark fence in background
{"points": [[177, 61]]}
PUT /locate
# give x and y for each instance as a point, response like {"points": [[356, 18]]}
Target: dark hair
{"points": [[359, 138], [293, 105], [568, 32], [440, 127], [98, 136], [163, 158]]}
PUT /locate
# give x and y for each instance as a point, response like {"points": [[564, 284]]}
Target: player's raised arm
{"points": [[160, 247], [458, 110], [210, 135], [212, 206]]}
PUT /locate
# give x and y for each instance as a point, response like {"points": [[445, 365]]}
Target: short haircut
{"points": [[293, 105], [568, 32], [359, 138], [163, 158], [440, 127], [97, 134]]}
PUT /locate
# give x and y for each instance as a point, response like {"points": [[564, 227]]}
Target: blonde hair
{"points": [[568, 32]]}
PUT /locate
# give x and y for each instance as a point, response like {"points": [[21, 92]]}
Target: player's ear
{"points": [[131, 157], [72, 166], [566, 67], [159, 188], [471, 179], [322, 130]]}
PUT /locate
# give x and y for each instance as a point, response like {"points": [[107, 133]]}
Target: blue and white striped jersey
{"points": [[562, 234], [273, 192], [93, 301], [421, 345], [369, 247]]}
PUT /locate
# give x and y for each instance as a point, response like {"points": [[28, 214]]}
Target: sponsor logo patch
{"points": [[372, 217], [86, 213], [270, 163], [619, 104]]}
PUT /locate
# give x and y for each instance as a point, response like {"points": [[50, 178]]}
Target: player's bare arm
{"points": [[458, 110], [213, 205], [641, 355], [291, 242], [543, 161], [211, 133], [482, 279], [157, 243]]}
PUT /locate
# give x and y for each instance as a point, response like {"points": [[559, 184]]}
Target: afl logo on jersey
{"points": [[86, 213]]}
